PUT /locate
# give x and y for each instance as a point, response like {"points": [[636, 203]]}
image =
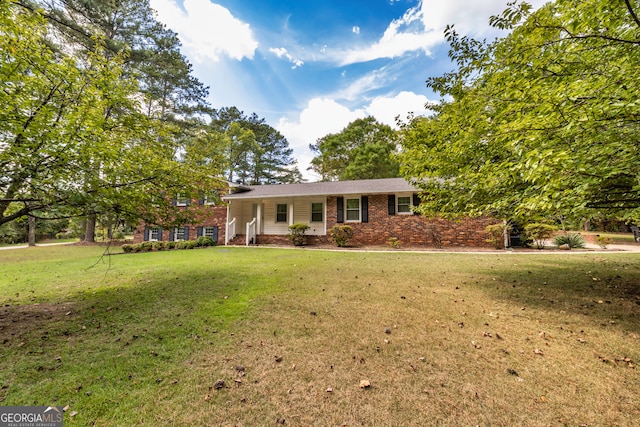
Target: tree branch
{"points": [[632, 13]]}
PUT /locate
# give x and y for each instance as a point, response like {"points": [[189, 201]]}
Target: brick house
{"points": [[376, 209], [210, 220]]}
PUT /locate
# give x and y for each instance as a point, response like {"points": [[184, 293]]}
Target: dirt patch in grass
{"points": [[19, 321]]}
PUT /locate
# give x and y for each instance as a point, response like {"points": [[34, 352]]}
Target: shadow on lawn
{"points": [[157, 302], [604, 289]]}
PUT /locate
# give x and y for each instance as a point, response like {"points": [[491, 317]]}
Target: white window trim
{"points": [[322, 212], [204, 231], [209, 199], [151, 232], [286, 212], [346, 210], [177, 230], [179, 199], [410, 196]]}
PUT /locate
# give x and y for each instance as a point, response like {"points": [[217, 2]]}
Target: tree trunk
{"points": [[90, 229], [32, 230]]}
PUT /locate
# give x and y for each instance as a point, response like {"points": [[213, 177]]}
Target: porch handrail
{"points": [[230, 232], [251, 232]]}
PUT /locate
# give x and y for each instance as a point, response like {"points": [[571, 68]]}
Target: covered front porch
{"points": [[267, 220]]}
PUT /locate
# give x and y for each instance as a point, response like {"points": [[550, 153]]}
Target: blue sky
{"points": [[311, 67]]}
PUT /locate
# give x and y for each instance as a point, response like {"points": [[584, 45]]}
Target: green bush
{"points": [[394, 243], [171, 245], [159, 246], [496, 234], [572, 239], [341, 234], [539, 233], [127, 249], [296, 233], [203, 241], [603, 241], [146, 246]]}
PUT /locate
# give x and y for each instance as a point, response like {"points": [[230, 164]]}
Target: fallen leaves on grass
{"points": [[365, 384]]}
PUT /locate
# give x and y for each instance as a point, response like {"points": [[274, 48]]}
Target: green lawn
{"points": [[444, 339]]}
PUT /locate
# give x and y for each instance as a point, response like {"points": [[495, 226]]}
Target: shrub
{"points": [[341, 234], [146, 246], [159, 246], [203, 241], [539, 233], [394, 243], [296, 233], [171, 244], [573, 240], [496, 234], [603, 241], [127, 249], [190, 244], [118, 235]]}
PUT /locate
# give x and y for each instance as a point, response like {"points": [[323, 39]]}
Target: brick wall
{"points": [[411, 230], [207, 216]]}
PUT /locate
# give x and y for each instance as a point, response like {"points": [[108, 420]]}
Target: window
{"points": [[210, 232], [178, 233], [210, 198], [182, 200], [316, 212], [154, 234], [281, 213], [404, 204], [353, 209]]}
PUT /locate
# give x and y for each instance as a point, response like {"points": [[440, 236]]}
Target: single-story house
{"points": [[376, 209]]}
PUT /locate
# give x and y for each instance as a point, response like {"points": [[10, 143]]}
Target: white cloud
{"points": [[282, 52], [207, 30], [468, 16], [355, 29], [421, 29], [323, 116]]}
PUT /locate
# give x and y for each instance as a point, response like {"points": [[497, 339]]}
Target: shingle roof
{"points": [[364, 186]]}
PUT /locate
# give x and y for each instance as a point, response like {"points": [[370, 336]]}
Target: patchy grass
{"points": [[444, 339]]}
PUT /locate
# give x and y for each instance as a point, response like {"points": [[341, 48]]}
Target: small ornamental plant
{"points": [[603, 241], [297, 233], [539, 233], [341, 234]]}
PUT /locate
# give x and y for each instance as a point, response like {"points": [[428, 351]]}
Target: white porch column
{"points": [[259, 218], [291, 213]]}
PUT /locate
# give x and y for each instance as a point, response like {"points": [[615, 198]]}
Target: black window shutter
{"points": [[364, 207], [201, 200], [146, 233], [174, 201], [171, 235], [160, 234], [340, 204], [199, 231], [215, 234], [186, 233], [416, 202], [391, 202]]}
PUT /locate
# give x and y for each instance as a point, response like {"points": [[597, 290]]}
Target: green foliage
{"points": [[365, 149], [496, 234], [127, 248], [603, 241], [544, 121], [572, 240], [249, 150], [394, 243], [204, 241], [341, 234], [539, 233], [297, 233]]}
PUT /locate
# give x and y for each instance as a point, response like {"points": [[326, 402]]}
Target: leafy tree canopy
{"points": [[543, 122], [365, 149]]}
